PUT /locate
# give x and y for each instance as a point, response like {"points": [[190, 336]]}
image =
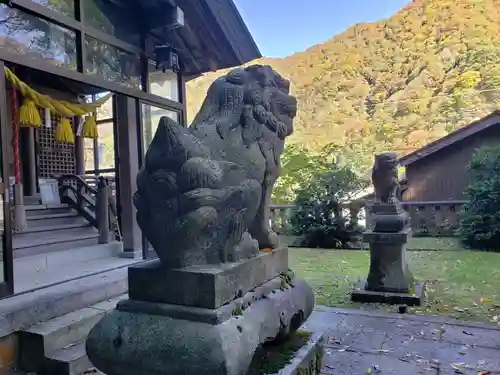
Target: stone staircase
{"points": [[52, 228], [57, 346], [67, 282]]}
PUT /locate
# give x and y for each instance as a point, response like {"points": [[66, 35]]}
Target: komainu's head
{"points": [[386, 161], [256, 98]]}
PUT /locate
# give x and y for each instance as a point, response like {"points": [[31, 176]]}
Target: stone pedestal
{"points": [[389, 279], [200, 320]]}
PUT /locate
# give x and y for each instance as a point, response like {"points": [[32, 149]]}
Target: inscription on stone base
{"points": [[359, 294], [208, 286]]}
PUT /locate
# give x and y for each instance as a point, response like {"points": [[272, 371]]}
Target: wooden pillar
{"points": [[147, 127], [183, 99], [127, 143], [103, 210], [31, 155], [96, 155], [79, 152]]}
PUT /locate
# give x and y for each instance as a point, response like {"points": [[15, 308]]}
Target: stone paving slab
{"points": [[357, 341], [346, 363]]}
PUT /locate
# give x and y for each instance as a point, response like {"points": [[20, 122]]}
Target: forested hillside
{"points": [[395, 84]]}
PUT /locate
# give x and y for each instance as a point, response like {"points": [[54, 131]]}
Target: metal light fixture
{"points": [[176, 19], [167, 58]]}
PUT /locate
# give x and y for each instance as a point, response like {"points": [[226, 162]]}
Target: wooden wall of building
{"points": [[443, 174]]}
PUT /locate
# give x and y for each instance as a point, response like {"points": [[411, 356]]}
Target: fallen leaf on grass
{"points": [[485, 300]]}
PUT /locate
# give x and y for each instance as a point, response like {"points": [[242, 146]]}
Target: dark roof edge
{"points": [[458, 135], [234, 27]]}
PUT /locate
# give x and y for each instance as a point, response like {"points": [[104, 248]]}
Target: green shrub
{"points": [[318, 216], [480, 218]]}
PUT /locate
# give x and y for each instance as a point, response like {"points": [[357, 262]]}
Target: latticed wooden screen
{"points": [[54, 158]]}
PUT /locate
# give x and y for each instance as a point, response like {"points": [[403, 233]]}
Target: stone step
{"points": [[28, 309], [70, 255], [54, 336], [68, 361], [53, 228], [44, 218], [32, 243], [44, 209], [83, 241], [55, 346], [45, 269], [33, 199]]}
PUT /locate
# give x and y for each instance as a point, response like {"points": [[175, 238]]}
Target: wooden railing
{"points": [[432, 218], [93, 180], [95, 203]]}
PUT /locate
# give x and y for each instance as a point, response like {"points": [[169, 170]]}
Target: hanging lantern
{"points": [[29, 115], [64, 132], [167, 58], [89, 129]]}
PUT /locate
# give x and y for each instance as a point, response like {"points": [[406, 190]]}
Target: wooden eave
{"points": [[214, 36], [456, 136]]}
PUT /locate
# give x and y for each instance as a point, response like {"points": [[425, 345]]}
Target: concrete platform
{"points": [[393, 344], [47, 269]]}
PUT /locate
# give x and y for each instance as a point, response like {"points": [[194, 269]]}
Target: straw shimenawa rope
{"points": [[60, 107]]}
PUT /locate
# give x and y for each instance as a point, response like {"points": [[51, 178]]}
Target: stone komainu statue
{"points": [[385, 178], [203, 192]]}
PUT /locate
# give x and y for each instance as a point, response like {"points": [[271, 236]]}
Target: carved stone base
{"points": [[360, 294], [209, 286], [388, 218], [389, 271], [157, 339]]}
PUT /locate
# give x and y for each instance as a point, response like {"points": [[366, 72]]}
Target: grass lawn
{"points": [[460, 284], [433, 243]]}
